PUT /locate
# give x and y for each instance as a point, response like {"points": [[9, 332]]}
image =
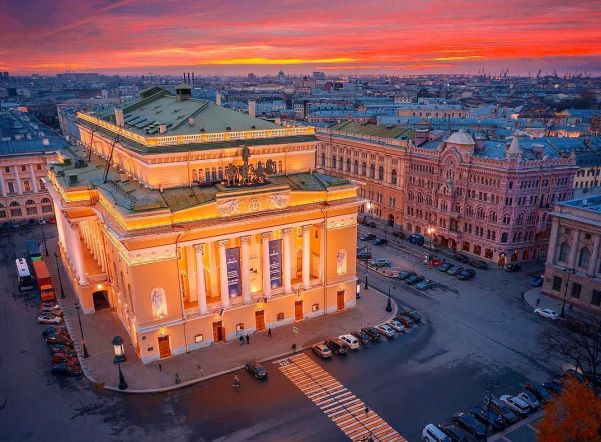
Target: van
{"points": [[431, 433]]}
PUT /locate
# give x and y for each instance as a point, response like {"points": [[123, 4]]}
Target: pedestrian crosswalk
{"points": [[345, 409]]}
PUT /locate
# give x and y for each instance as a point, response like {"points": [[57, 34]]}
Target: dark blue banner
{"points": [[232, 260], [275, 262]]}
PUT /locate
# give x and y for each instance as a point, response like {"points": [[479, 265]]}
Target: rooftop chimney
{"points": [[252, 108], [218, 98], [119, 117], [162, 128], [45, 141], [183, 92]]}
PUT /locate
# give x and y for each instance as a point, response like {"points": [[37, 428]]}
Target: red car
{"points": [[64, 358]]}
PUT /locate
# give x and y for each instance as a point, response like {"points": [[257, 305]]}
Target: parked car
{"points": [[49, 319], [51, 311], [336, 346], [363, 254], [350, 341], [379, 262], [55, 329], [373, 333], [444, 267], [416, 239], [529, 398], [59, 339], [322, 351], [461, 258], [362, 337], [431, 433], [380, 242], [371, 224], [453, 270], [65, 369], [575, 374], [412, 314], [386, 330], [436, 262], [414, 279], [425, 284], [60, 348], [406, 321], [491, 418], [466, 274], [538, 391], [58, 358], [503, 410], [455, 433], [511, 268], [396, 325], [479, 264], [468, 423], [553, 386], [546, 313], [516, 404], [404, 274], [537, 282], [367, 236], [256, 369]]}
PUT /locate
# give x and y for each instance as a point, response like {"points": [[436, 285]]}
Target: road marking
{"points": [[336, 401]]}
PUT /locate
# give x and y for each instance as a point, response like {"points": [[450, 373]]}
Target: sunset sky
{"points": [[235, 37]]}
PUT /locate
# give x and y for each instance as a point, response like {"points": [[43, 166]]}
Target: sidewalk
{"points": [[99, 329], [533, 295]]}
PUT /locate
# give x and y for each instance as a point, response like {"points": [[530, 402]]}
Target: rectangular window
{"points": [[596, 299], [7, 169], [11, 187], [26, 186], [557, 281], [576, 289]]}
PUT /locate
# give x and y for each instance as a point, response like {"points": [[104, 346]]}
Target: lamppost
{"points": [[44, 240], [366, 270], [431, 231], [389, 304], [117, 343], [565, 292], [83, 340], [58, 271], [358, 289]]}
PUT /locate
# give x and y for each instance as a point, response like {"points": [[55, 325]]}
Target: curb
{"points": [[299, 349]]}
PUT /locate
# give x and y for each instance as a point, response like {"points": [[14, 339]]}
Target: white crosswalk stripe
{"points": [[336, 401]]}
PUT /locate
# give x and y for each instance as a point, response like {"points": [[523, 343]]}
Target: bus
{"points": [[33, 250], [25, 279]]}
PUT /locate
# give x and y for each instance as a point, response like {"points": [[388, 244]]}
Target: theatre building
{"points": [[196, 223]]}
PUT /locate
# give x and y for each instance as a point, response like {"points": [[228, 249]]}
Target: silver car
{"points": [[322, 351], [386, 330]]}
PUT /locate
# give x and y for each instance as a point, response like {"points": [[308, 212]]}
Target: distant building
{"points": [[319, 75], [431, 111], [573, 270]]}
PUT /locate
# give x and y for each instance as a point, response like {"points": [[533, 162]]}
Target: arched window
{"points": [[381, 173], [341, 163], [372, 171], [356, 167], [411, 195], [564, 251], [15, 209], [208, 175], [194, 175], [584, 257], [506, 218], [457, 207], [323, 158], [45, 201], [469, 211], [29, 202], [519, 220], [333, 161], [363, 169], [428, 200], [393, 176], [220, 173], [504, 237], [348, 164], [492, 216], [480, 213]]}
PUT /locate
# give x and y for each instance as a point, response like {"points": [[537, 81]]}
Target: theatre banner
{"points": [[232, 260], [275, 262]]}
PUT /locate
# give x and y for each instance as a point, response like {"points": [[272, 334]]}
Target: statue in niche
{"points": [[159, 303], [270, 167], [341, 262]]}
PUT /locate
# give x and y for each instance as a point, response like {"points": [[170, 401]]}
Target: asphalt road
{"points": [[474, 331]]}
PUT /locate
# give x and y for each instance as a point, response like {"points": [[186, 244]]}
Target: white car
{"points": [[546, 313], [386, 330], [516, 404], [49, 319], [396, 325], [350, 340], [530, 399]]}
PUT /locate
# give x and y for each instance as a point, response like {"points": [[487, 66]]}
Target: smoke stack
{"points": [[189, 78], [193, 78], [252, 108], [184, 77], [119, 120]]}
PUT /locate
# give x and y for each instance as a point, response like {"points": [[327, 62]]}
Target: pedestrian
{"points": [[366, 410], [537, 302], [177, 379], [293, 348], [241, 339], [269, 332], [160, 367], [247, 339]]}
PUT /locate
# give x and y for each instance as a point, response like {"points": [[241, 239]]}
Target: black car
{"points": [[412, 314], [55, 330], [465, 274], [416, 239], [444, 266], [405, 274], [407, 322], [538, 390], [373, 333], [479, 264], [380, 242], [455, 433], [363, 254], [511, 268], [59, 339], [509, 417], [336, 346], [65, 369], [468, 423], [367, 236], [256, 369], [461, 258], [453, 270], [362, 337], [553, 386], [493, 419], [414, 279]]}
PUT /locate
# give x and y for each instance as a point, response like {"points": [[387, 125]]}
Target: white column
{"points": [[191, 269], [18, 180], [593, 265], [77, 255], [2, 185], [60, 223], [201, 289], [574, 249], [225, 295], [213, 276], [553, 238], [286, 264], [307, 257], [322, 252], [266, 265], [34, 181], [245, 268]]}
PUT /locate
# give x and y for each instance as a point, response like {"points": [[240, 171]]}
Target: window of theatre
{"points": [[564, 252]]}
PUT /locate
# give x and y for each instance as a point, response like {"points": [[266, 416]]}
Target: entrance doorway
{"points": [[340, 300], [298, 311], [218, 331], [101, 300], [260, 320], [390, 221], [164, 347]]}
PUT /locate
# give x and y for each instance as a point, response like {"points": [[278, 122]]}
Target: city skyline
{"points": [[131, 37]]}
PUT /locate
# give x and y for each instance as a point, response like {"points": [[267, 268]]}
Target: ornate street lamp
{"points": [[358, 289], [389, 304], [118, 349], [83, 340]]}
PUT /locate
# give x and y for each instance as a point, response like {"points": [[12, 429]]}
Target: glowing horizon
{"points": [[144, 36]]}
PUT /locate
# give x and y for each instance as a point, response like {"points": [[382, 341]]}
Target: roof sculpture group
{"points": [[247, 174]]}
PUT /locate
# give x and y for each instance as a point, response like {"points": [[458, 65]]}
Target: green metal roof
{"points": [[374, 130]]}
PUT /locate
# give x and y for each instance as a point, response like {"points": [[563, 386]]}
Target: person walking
{"points": [[269, 332], [241, 339], [247, 339], [537, 302], [366, 410], [293, 348]]}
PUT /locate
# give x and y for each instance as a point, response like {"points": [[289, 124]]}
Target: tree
{"points": [[573, 416]]}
